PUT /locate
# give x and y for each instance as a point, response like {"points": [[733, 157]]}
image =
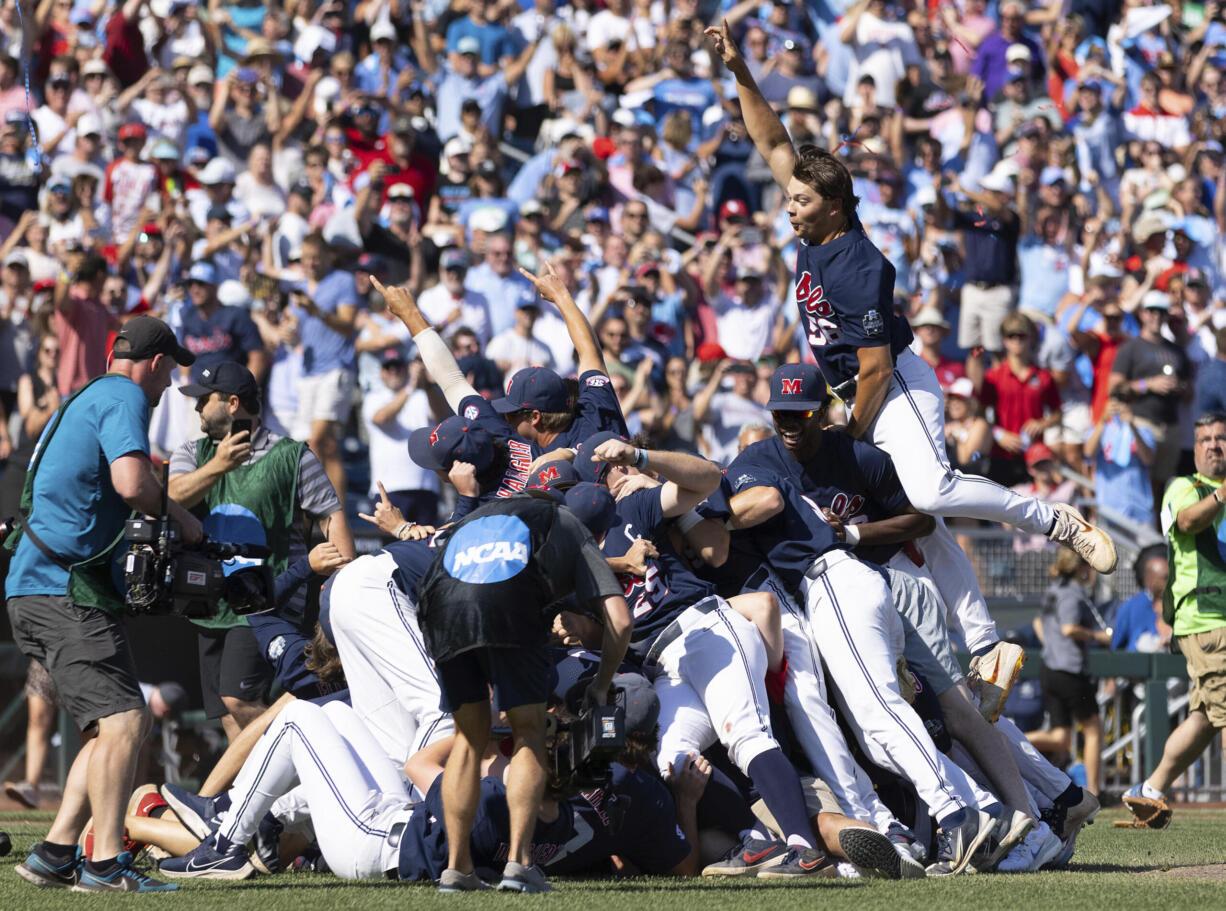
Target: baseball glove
{"points": [[1147, 813]]}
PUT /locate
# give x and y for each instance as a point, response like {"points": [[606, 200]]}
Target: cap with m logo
{"points": [[797, 387]]}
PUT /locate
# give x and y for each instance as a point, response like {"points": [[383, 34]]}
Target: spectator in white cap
{"points": [[399, 241], [256, 188], [216, 333], [88, 148], [931, 329], [449, 305], [380, 70], [217, 180]]}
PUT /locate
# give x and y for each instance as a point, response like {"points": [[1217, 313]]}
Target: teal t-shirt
{"points": [[76, 512]]}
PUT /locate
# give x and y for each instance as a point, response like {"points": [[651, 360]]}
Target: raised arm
{"points": [[582, 336], [769, 136], [689, 479]]}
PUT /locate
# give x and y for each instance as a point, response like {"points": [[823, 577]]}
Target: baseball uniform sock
{"points": [[1147, 791], [776, 781], [102, 867], [56, 855], [1072, 796], [723, 807]]}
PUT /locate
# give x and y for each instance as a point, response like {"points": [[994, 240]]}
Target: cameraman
{"points": [[63, 605], [482, 611], [253, 487]]}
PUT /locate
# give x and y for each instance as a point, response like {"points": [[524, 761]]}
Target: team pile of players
{"points": [[793, 704]]}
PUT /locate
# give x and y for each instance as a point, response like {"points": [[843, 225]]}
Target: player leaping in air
{"points": [[845, 292]]}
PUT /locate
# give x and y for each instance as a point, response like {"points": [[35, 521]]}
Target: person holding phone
{"points": [[249, 485]]}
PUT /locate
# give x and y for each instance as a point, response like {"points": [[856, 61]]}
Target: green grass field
{"points": [[1181, 868]]}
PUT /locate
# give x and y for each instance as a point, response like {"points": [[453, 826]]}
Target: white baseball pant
{"points": [[911, 428], [392, 683], [850, 616], [354, 792], [712, 686], [818, 732]]}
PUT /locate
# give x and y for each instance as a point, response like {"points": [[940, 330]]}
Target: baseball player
{"points": [[844, 292], [709, 662], [850, 617]]}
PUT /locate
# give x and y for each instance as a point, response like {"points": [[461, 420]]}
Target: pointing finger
{"points": [[383, 493]]}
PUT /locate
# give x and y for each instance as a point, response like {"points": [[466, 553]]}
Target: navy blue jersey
{"points": [[423, 846], [854, 480], [791, 540], [476, 409], [412, 558], [669, 586], [597, 409], [845, 294], [228, 335], [633, 818], [283, 645]]}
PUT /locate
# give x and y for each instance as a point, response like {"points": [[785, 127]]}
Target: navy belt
{"points": [[671, 632]]}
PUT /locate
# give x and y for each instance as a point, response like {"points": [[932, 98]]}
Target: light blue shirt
{"points": [[76, 511], [1045, 274], [1121, 482], [501, 293], [370, 79], [324, 348], [454, 90]]}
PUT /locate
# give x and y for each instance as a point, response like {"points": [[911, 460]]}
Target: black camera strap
{"points": [[22, 520]]}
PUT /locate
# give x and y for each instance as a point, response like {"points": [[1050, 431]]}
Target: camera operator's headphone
{"points": [[1147, 553]]}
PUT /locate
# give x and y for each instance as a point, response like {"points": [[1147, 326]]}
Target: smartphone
{"points": [[751, 236], [238, 425]]}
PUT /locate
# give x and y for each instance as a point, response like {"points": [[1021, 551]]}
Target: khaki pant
{"points": [[1206, 656], [983, 310]]}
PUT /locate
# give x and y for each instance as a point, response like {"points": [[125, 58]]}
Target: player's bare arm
{"points": [[689, 479], [754, 506], [764, 126], [551, 288], [872, 384], [895, 530]]}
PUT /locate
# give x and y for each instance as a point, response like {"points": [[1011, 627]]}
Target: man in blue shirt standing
{"points": [[326, 307], [215, 333], [63, 605]]}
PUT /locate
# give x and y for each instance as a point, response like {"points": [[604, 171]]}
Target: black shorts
{"points": [[86, 652], [1067, 697], [519, 676], [231, 665]]}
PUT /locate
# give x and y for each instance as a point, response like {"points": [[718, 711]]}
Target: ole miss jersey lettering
{"points": [[845, 297]]}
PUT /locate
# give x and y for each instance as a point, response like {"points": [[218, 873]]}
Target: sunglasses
{"points": [[1016, 335], [798, 415]]}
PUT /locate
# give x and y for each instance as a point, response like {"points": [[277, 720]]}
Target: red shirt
{"points": [[947, 371], [1107, 348], [82, 333], [125, 49], [1018, 400]]}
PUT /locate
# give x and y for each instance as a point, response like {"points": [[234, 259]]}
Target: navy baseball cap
{"points": [[589, 471], [534, 389], [632, 692], [228, 378], [593, 505], [454, 440], [559, 475], [797, 387], [325, 609]]}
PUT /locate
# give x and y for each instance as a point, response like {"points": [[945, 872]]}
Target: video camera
{"points": [[581, 760], [162, 575]]}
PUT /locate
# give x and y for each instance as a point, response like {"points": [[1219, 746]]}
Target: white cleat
{"points": [[1040, 846], [1090, 542], [994, 674]]}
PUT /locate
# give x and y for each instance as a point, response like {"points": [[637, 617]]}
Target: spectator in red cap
{"points": [[128, 180], [1046, 484]]}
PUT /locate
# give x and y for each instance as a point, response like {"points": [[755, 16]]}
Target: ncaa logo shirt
{"points": [[489, 549]]}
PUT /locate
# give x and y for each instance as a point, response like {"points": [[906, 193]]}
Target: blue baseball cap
{"points": [[593, 505], [454, 440], [797, 387], [534, 389], [589, 471], [559, 475], [325, 609], [202, 272]]}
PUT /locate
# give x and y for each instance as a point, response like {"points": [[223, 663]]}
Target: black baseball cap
{"points": [[797, 387], [228, 378], [632, 692], [145, 336]]}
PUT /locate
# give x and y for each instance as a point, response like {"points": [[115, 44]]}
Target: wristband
{"points": [[997, 433], [1142, 385], [1218, 497], [851, 535], [686, 521], [403, 527], [640, 459]]}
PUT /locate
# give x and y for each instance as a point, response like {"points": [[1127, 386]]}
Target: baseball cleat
{"points": [[875, 854], [266, 845], [748, 857], [195, 812], [1010, 832], [1090, 542], [23, 792], [906, 843], [1040, 846], [123, 878], [994, 674], [962, 842], [518, 878], [455, 881], [1082, 814], [800, 862], [206, 862], [39, 871]]}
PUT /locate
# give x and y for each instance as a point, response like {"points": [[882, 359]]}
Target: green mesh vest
{"points": [[265, 491], [1195, 595]]}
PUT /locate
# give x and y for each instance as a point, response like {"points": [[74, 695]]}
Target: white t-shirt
{"points": [[607, 27], [260, 199], [882, 49], [729, 413], [389, 462], [437, 304], [517, 351], [744, 332], [163, 120]]}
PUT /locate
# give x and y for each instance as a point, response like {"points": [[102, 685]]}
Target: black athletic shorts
{"points": [[519, 676], [231, 665], [1067, 697], [86, 652]]}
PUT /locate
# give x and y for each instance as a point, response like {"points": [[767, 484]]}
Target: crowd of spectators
{"points": [[1047, 180]]}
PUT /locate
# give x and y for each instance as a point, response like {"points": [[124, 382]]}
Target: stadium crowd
{"points": [[564, 202]]}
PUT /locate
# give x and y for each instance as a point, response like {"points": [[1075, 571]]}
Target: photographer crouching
{"points": [[85, 478], [484, 616], [254, 487]]}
